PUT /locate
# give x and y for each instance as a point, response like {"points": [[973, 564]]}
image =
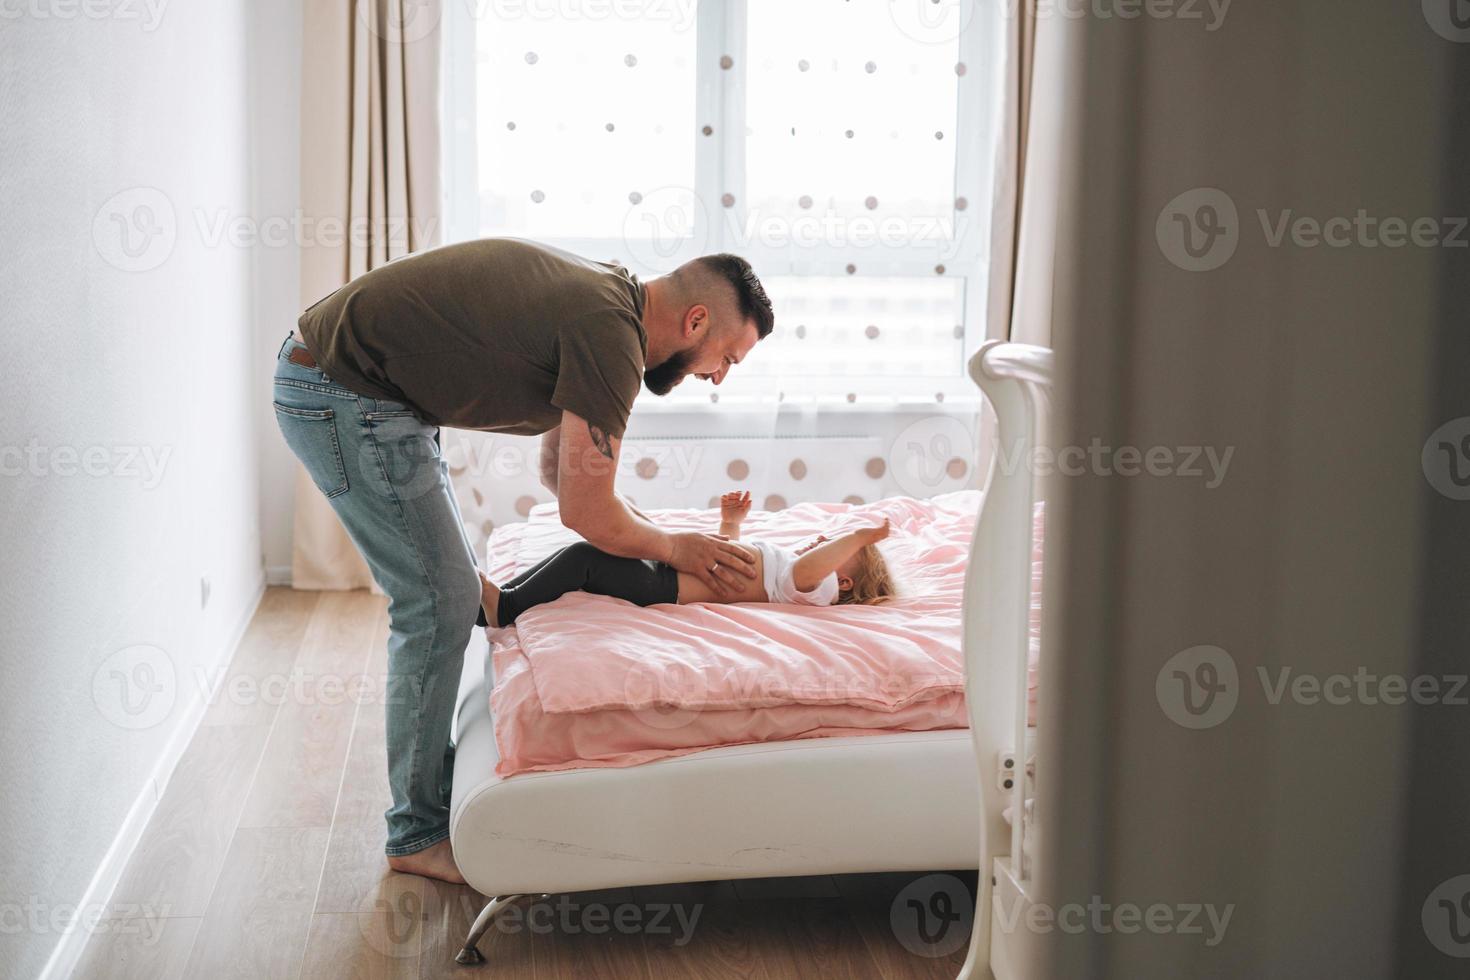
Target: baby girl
{"points": [[846, 569]]}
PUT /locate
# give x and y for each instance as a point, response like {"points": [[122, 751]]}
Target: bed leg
{"points": [[470, 955]]}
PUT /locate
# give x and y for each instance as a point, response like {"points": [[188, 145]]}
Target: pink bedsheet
{"points": [[590, 681]]}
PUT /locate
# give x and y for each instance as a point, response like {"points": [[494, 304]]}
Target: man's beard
{"points": [[662, 379]]}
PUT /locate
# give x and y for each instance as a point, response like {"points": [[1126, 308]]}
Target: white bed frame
{"points": [[899, 802]]}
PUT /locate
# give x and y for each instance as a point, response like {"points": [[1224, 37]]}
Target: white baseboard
{"points": [[68, 951], [278, 575]]}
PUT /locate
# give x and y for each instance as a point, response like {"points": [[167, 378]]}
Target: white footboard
{"points": [[1016, 380]]}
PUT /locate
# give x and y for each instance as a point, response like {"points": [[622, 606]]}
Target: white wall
{"points": [[131, 409]]}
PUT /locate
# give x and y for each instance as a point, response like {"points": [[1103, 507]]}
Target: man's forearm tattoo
{"points": [[601, 440]]}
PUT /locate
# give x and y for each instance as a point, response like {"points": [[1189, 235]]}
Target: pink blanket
{"points": [[591, 681]]}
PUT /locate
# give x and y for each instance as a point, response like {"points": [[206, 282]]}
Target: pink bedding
{"points": [[590, 681]]}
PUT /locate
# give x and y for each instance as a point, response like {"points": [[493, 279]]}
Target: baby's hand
{"points": [[734, 506], [819, 539], [875, 534]]}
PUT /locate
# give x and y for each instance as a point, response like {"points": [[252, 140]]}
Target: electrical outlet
{"points": [[204, 590]]}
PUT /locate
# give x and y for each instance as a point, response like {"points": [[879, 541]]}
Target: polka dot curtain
{"points": [[667, 462], [846, 200]]}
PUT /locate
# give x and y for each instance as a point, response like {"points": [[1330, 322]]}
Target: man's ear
{"points": [[695, 319]]}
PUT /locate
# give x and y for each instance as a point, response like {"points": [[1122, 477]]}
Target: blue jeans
{"points": [[381, 469]]}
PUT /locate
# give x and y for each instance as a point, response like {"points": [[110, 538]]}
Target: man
{"points": [[508, 336]]}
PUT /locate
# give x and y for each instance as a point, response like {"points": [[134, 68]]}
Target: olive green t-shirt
{"points": [[498, 334]]}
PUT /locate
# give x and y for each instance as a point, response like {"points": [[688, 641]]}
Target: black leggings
{"points": [[582, 568]]}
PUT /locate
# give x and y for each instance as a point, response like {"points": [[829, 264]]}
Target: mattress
{"points": [[774, 808], [590, 681]]}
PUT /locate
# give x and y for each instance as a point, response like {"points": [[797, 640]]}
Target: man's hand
{"points": [[713, 559], [734, 506]]}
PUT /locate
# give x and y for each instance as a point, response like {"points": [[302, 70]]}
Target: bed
{"points": [[840, 803]]}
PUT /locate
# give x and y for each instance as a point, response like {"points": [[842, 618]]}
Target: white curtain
{"points": [[370, 190]]}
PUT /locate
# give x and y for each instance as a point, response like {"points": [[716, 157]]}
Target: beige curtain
{"points": [[370, 190], [1312, 366], [1027, 175]]}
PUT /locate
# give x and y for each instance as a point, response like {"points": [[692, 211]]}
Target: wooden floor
{"points": [[264, 858]]}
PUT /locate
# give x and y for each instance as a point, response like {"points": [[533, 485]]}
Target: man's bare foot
{"points": [[490, 599], [434, 861]]}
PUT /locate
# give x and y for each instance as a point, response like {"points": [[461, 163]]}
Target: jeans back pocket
{"points": [[312, 436]]}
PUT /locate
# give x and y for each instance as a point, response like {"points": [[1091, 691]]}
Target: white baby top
{"points": [[778, 569]]}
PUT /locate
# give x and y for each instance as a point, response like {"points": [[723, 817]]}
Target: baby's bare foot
{"points": [[490, 599], [435, 861]]}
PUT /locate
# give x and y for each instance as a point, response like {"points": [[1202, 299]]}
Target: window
{"points": [[842, 146]]}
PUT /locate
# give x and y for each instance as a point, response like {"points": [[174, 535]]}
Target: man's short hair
{"points": [[731, 270]]}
